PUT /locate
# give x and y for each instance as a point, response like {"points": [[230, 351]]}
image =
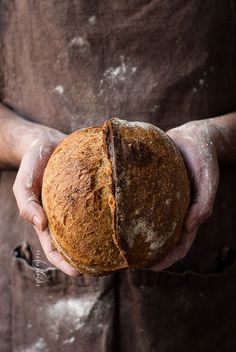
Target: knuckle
{"points": [[24, 213], [205, 214]]}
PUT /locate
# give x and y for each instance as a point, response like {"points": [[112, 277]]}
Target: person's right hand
{"points": [[27, 190]]}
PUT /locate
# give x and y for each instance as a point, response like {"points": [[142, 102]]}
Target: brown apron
{"points": [[70, 64]]}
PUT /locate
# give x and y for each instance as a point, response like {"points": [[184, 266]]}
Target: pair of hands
{"points": [[196, 141]]}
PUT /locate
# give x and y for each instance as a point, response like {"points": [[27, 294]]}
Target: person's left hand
{"points": [[196, 141]]}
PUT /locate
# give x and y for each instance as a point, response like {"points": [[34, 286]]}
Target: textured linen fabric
{"points": [[71, 64]]}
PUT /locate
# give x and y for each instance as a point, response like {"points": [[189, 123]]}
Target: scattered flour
{"points": [[69, 341], [141, 124], [201, 82], [72, 311], [39, 346], [92, 20], [44, 151], [141, 227], [59, 89], [29, 182], [119, 73], [80, 42], [116, 73]]}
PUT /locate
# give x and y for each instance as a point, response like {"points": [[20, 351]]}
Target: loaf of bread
{"points": [[115, 196]]}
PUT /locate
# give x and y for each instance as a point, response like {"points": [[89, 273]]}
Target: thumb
{"points": [[27, 188]]}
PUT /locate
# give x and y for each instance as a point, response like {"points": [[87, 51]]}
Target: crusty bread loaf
{"points": [[115, 196]]}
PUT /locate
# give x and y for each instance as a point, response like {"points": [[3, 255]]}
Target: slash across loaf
{"points": [[115, 196]]}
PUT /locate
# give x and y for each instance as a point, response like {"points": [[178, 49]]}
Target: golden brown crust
{"points": [[79, 203], [115, 196], [151, 189]]}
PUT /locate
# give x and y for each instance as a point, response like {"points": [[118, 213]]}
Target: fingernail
{"points": [[37, 222]]}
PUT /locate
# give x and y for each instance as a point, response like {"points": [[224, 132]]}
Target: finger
{"points": [[27, 188], [53, 255], [203, 171], [205, 183], [178, 252]]}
